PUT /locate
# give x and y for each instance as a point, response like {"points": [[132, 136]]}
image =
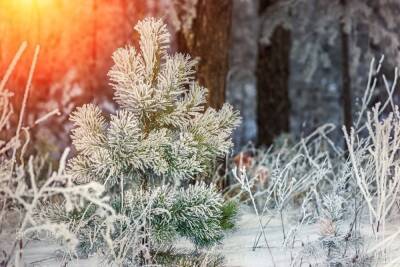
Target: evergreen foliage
{"points": [[162, 130], [195, 213], [146, 154]]}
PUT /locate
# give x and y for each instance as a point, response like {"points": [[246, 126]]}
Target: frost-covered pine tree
{"points": [[159, 140]]}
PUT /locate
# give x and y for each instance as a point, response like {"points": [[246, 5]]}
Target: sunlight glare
{"points": [[27, 4]]}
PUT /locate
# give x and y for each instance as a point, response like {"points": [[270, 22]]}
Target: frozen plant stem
{"points": [[13, 63], [21, 116], [24, 101], [244, 182], [381, 185], [3, 82], [28, 198], [282, 225]]}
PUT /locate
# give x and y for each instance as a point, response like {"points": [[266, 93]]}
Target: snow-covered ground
{"points": [[236, 248]]}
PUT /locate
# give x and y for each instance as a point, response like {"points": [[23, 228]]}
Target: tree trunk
{"points": [[208, 38], [346, 85], [273, 107]]}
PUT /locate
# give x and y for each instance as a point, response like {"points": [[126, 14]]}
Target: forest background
{"points": [[287, 65]]}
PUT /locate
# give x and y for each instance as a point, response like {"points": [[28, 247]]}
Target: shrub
{"points": [[160, 140]]}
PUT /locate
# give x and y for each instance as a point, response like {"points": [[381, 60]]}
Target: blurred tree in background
{"points": [[206, 35], [330, 44], [273, 67]]}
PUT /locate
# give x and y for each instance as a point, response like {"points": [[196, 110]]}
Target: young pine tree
{"points": [[160, 138]]}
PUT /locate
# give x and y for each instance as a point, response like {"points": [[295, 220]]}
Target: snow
{"points": [[236, 248]]}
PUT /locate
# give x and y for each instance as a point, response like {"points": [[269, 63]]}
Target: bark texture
{"points": [[346, 84], [208, 39], [241, 87], [273, 65]]}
